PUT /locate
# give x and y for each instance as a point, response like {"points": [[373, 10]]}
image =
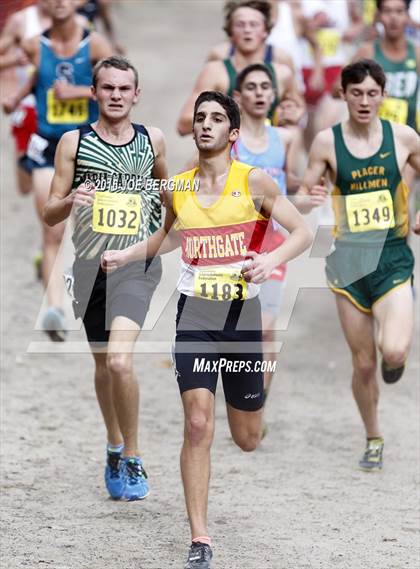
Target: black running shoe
{"points": [[199, 556], [389, 374]]}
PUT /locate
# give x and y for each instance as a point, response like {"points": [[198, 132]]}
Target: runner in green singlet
{"points": [[400, 60], [370, 269]]}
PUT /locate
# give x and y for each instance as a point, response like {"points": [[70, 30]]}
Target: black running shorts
{"points": [[220, 337], [100, 297]]}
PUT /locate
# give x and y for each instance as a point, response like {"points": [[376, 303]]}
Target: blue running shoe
{"points": [[54, 324], [136, 486], [114, 480]]}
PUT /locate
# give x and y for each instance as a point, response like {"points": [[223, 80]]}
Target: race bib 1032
{"points": [[116, 213]]}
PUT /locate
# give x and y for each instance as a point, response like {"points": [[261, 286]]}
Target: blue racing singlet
{"points": [[271, 161], [55, 117]]}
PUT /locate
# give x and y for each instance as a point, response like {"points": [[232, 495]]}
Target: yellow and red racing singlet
{"points": [[216, 239]]}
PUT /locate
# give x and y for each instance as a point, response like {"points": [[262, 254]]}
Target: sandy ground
{"points": [[299, 502]]}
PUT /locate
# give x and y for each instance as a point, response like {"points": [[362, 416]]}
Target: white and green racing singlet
{"points": [[127, 207]]}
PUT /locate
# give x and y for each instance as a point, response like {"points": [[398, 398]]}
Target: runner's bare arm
{"points": [[289, 90], [313, 192], [11, 103], [365, 51], [12, 32], [265, 192], [281, 57], [160, 168], [357, 26], [64, 90], [316, 79], [99, 47], [412, 141], [31, 48], [61, 198], [209, 79], [164, 240], [104, 12], [11, 36], [219, 52], [292, 147]]}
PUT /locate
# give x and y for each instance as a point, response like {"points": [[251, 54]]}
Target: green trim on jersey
{"points": [[402, 79], [232, 73], [370, 199], [116, 169]]}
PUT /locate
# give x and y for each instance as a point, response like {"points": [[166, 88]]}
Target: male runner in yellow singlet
{"points": [[219, 314]]}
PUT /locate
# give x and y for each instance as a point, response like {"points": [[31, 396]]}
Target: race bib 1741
{"points": [[395, 110], [370, 212], [69, 111], [220, 284], [116, 214]]}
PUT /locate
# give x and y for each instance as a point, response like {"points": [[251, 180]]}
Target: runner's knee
{"points": [[198, 427], [395, 356], [249, 440], [364, 364], [119, 365]]}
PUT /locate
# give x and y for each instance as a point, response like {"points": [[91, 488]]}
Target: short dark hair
{"points": [[230, 106], [380, 3], [358, 71], [240, 79], [261, 5], [118, 62]]}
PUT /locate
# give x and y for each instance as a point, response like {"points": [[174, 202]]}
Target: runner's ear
{"points": [[234, 135], [137, 95]]}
